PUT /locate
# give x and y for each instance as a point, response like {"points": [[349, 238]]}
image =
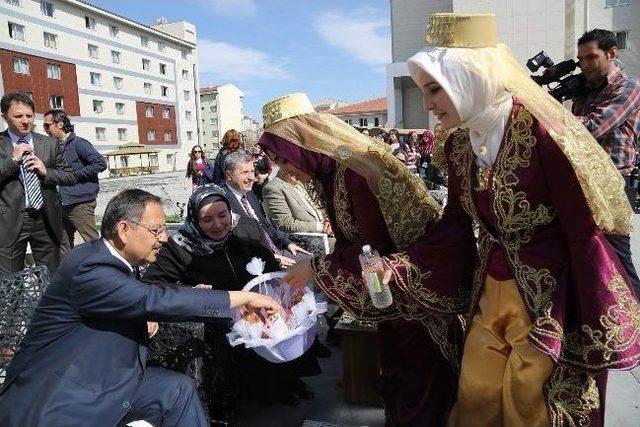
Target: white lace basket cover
{"points": [[292, 345]]}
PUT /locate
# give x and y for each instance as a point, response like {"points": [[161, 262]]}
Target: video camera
{"points": [[567, 85]]}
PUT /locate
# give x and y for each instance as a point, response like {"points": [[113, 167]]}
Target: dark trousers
{"points": [[168, 399], [44, 245], [79, 217]]}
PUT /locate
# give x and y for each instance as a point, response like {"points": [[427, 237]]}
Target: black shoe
{"points": [[303, 390]]}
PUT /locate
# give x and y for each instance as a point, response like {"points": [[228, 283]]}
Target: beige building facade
{"points": [[527, 26], [221, 109]]}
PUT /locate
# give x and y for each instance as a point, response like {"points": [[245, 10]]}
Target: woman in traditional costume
{"points": [[366, 193], [551, 307]]}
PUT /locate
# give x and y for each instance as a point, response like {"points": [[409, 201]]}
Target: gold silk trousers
{"points": [[502, 376]]}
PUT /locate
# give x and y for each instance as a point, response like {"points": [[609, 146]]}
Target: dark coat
{"points": [[279, 238], [12, 193], [85, 352], [86, 163]]}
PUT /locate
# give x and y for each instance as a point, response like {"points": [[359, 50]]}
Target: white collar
{"points": [[235, 192], [115, 253]]}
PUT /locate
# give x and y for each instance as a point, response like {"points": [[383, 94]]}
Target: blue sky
{"points": [[327, 48]]}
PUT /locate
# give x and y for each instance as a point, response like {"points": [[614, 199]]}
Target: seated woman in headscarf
{"points": [[550, 306], [212, 248], [371, 198]]}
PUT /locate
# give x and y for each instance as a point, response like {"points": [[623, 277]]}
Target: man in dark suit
{"points": [[83, 360], [239, 178], [31, 165]]}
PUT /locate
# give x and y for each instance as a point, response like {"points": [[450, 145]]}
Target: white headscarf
{"points": [[483, 104]]}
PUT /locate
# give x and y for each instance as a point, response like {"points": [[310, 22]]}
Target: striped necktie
{"points": [[249, 210], [31, 185]]}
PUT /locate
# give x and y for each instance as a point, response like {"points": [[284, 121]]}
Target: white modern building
{"points": [[221, 109], [123, 83], [527, 26], [251, 131]]}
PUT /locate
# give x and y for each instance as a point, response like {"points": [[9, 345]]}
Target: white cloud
{"points": [[230, 8], [223, 61], [361, 35]]}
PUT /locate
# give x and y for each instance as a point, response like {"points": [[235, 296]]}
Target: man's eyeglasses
{"points": [[157, 232]]}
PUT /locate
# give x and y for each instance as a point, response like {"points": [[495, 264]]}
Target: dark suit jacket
{"points": [[85, 351], [12, 194], [279, 238]]}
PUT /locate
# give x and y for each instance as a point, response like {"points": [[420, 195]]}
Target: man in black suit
{"points": [[31, 165], [83, 360], [239, 178]]}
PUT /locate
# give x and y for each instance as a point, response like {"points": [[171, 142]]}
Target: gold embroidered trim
{"points": [[571, 397], [343, 208], [439, 328]]}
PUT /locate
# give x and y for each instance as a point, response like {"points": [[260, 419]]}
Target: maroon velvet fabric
{"points": [[417, 384]]}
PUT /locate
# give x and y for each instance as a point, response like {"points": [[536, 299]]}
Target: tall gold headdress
{"points": [[472, 40], [292, 118]]}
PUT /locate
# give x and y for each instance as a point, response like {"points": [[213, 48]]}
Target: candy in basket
{"points": [[286, 335]]}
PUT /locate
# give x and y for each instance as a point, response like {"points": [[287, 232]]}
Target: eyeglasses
{"points": [[157, 232], [197, 151]]}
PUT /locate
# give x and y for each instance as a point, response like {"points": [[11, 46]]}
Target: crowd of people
{"points": [[510, 304]]}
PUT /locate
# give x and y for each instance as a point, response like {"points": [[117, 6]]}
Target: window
{"points": [[13, 2], [151, 135], [166, 113], [171, 158], [113, 30], [167, 135], [93, 51], [46, 8], [56, 101], [153, 160], [90, 23], [124, 161], [144, 41], [115, 56], [20, 66], [53, 71], [214, 109], [120, 108], [363, 121], [187, 115], [122, 134], [185, 74], [163, 68], [164, 90], [149, 111], [118, 83], [376, 121], [189, 135], [16, 31], [614, 3], [101, 134], [98, 106], [50, 40], [621, 39], [215, 133], [161, 46], [187, 95], [146, 64], [185, 54], [96, 79], [147, 88]]}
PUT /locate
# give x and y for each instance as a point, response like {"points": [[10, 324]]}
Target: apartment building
{"points": [[221, 109], [124, 83], [527, 26]]}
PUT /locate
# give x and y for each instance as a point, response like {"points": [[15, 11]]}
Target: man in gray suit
{"points": [[31, 165], [289, 206]]}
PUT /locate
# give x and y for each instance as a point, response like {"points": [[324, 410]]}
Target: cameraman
{"points": [[610, 109], [610, 105]]}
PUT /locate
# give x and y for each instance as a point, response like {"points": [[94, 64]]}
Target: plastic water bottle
{"points": [[371, 266]]}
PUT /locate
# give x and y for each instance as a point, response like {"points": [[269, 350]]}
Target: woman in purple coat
{"points": [[551, 306]]}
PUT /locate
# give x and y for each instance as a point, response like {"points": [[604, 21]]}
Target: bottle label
{"points": [[374, 282]]}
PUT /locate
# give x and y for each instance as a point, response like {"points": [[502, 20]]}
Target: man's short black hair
{"points": [[61, 116], [10, 97], [605, 39], [127, 205]]}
